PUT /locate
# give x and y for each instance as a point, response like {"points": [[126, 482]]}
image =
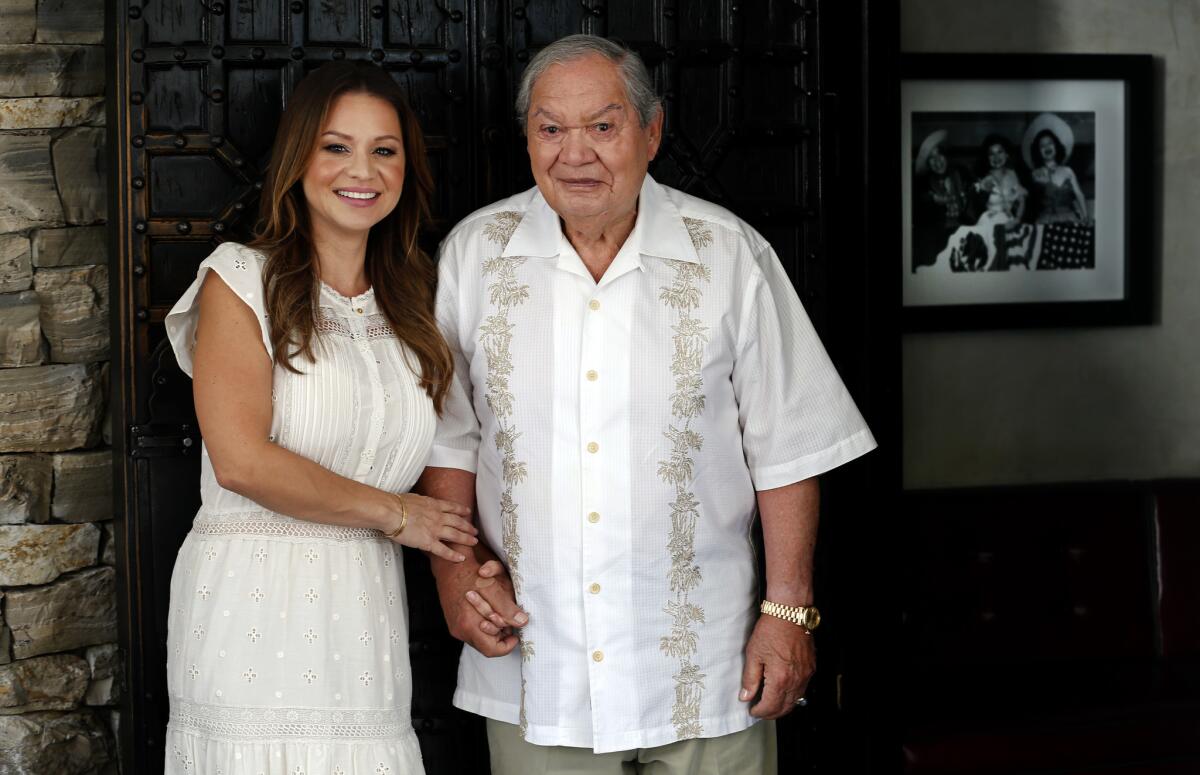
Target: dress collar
{"points": [[363, 303]]}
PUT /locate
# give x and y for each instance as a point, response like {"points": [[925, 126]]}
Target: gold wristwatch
{"points": [[807, 616]]}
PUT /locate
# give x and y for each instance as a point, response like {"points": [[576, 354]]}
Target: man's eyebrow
{"points": [[605, 109], [348, 137]]}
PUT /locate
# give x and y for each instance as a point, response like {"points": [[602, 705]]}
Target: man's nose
{"points": [[576, 147]]}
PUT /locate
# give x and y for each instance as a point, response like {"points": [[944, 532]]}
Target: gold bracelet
{"points": [[806, 616], [403, 519]]}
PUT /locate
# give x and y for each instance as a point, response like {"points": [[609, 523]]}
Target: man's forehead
{"points": [[547, 110]]}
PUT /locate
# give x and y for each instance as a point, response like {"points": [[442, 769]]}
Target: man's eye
{"points": [[550, 130], [603, 126]]}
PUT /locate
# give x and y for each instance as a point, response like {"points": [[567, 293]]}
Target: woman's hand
{"points": [[430, 523]]}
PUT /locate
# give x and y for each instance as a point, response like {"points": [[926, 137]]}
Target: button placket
{"points": [[595, 454], [358, 324]]}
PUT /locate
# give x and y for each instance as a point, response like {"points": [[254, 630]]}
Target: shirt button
{"points": [[594, 517], [592, 375], [594, 304], [594, 588], [593, 447], [597, 656], [358, 310]]}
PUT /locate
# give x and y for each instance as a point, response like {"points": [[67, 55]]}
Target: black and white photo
{"points": [[1020, 190]]}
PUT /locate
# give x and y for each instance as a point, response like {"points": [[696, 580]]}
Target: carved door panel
{"points": [[196, 90]]}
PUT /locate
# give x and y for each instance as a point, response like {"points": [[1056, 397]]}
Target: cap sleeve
{"points": [[241, 269]]}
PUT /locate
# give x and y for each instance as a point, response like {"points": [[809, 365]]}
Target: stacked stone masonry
{"points": [[60, 666]]}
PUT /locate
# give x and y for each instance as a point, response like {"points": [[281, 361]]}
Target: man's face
{"points": [[587, 150]]}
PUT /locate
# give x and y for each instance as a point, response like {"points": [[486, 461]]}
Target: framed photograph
{"points": [[1026, 190]]}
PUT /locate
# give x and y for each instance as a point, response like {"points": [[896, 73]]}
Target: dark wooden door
{"points": [[766, 114]]}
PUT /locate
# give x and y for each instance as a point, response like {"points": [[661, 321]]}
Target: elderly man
{"points": [[636, 379]]}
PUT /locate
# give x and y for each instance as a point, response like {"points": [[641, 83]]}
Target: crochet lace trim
{"points": [[265, 523], [259, 724]]}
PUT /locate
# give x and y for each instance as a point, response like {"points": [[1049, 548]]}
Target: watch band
{"points": [[804, 616]]}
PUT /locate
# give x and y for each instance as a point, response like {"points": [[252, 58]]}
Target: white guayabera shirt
{"points": [[618, 431]]}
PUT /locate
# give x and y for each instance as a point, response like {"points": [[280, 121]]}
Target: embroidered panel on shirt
{"points": [[687, 403], [495, 336]]}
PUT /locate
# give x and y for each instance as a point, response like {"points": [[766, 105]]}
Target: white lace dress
{"points": [[288, 639]]}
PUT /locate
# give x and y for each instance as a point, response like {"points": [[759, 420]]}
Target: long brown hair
{"points": [[400, 272]]}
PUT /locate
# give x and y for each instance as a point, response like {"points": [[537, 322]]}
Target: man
{"points": [[632, 366]]}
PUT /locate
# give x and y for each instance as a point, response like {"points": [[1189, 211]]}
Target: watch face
{"points": [[812, 617]]}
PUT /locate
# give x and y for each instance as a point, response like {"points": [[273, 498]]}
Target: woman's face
{"points": [[1046, 149], [997, 156], [356, 173], [937, 162]]}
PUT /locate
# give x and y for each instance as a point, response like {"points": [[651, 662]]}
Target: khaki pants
{"points": [[749, 752]]}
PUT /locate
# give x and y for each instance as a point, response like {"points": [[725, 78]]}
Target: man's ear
{"points": [[654, 133]]}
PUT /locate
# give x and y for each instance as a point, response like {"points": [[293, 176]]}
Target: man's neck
{"points": [[598, 242]]}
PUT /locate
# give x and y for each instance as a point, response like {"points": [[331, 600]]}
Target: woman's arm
{"points": [[233, 404], [1080, 201]]}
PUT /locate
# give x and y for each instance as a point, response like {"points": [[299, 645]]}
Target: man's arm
{"points": [[780, 656], [476, 595]]}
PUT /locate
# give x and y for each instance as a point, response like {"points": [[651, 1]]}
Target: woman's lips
{"points": [[357, 197]]}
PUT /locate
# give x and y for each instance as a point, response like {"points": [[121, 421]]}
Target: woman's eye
{"points": [[336, 148], [385, 152]]}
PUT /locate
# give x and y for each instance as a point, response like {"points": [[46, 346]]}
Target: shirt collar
{"points": [[659, 230]]}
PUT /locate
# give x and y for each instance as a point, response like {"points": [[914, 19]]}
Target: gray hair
{"points": [[639, 89]]}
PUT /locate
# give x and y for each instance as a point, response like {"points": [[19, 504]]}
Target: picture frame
{"points": [[1027, 190]]}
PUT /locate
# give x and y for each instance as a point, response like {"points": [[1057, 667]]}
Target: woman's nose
{"points": [[361, 165]]}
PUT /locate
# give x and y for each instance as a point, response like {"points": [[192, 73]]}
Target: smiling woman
{"points": [[288, 639]]}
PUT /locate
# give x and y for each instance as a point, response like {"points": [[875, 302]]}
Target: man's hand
{"points": [[495, 600], [780, 658], [479, 605], [481, 576]]}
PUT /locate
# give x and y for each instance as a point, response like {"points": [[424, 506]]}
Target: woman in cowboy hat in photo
{"points": [[940, 202], [1047, 146]]}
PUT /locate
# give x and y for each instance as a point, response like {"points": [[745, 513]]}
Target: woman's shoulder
{"points": [[235, 251]]}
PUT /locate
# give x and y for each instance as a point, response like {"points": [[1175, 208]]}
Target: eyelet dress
{"points": [[288, 639]]}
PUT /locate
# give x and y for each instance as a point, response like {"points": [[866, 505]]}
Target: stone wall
{"points": [[60, 668]]}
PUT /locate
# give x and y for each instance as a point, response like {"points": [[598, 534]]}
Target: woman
{"points": [[318, 373], [1047, 146], [940, 203], [1005, 194]]}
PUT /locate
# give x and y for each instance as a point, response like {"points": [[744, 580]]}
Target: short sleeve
{"points": [[241, 269], [798, 420], [456, 442]]}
